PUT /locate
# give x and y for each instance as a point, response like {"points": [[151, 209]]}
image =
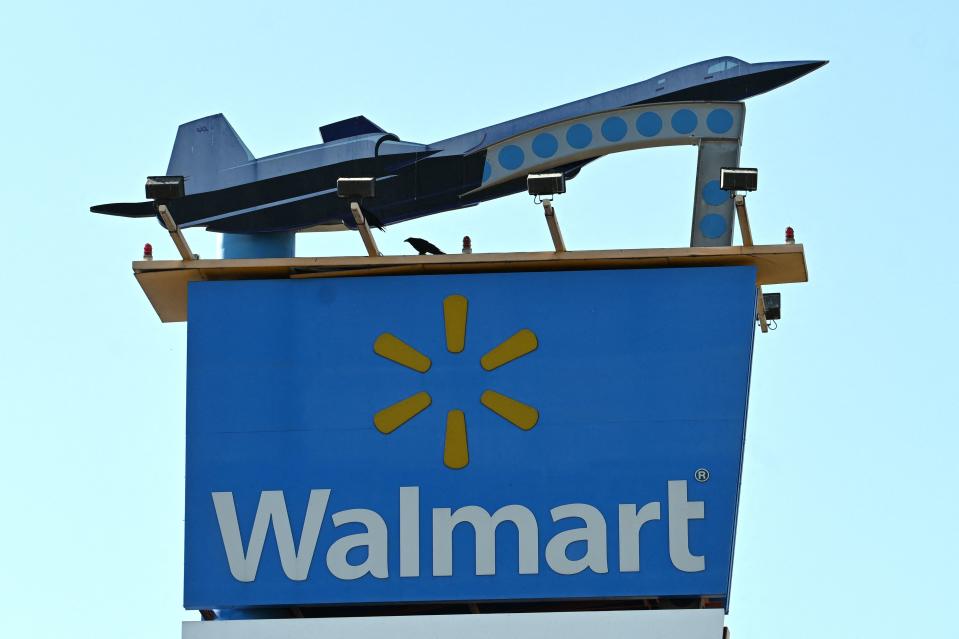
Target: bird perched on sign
{"points": [[423, 246]]}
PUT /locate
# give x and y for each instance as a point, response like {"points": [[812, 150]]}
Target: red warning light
{"points": [[148, 251], [790, 235]]}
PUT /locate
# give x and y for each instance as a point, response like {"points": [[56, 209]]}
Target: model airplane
{"points": [[230, 191]]}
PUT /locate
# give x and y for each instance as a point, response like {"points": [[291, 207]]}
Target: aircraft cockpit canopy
{"points": [[722, 65]]}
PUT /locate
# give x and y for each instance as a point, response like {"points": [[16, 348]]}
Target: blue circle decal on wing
{"points": [[511, 157], [719, 120], [684, 121], [579, 136], [712, 225], [614, 129], [487, 170], [649, 124], [545, 145], [713, 195]]}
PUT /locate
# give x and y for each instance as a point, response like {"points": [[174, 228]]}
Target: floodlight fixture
{"points": [[544, 186], [165, 187], [738, 179], [771, 305], [356, 188]]}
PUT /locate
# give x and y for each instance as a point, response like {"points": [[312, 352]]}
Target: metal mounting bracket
{"points": [[175, 234], [364, 228], [553, 224]]}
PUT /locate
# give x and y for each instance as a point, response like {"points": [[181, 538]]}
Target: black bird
{"points": [[373, 220], [423, 246]]}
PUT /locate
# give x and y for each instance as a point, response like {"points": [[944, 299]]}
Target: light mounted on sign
{"points": [[543, 187], [165, 187], [772, 306], [738, 179], [356, 188]]}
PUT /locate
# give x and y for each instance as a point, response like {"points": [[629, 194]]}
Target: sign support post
{"points": [[746, 232]]}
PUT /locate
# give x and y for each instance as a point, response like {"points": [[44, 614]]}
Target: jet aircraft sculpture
{"points": [[228, 190]]}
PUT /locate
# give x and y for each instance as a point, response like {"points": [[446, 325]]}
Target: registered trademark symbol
{"points": [[702, 475]]}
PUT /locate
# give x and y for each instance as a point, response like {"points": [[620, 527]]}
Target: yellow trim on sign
{"points": [[392, 417], [454, 311], [396, 350], [520, 344], [456, 452], [165, 281], [515, 412]]}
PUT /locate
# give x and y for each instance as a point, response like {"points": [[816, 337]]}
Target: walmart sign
{"points": [[465, 437]]}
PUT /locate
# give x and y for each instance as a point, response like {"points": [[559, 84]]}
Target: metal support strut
{"points": [[746, 232], [175, 233], [364, 228], [553, 224]]}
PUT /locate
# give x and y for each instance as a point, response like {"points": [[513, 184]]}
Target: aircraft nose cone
{"points": [[799, 69], [771, 75]]}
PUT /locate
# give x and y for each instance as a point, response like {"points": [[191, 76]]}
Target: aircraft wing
{"points": [[126, 209]]}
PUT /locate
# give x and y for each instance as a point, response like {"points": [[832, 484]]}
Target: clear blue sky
{"points": [[848, 513]]}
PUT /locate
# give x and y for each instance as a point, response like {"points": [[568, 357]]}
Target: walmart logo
{"points": [[455, 449]]}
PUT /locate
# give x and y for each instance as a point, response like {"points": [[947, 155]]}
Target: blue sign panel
{"points": [[465, 437]]}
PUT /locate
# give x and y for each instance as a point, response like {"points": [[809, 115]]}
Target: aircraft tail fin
{"points": [[202, 149], [357, 125]]}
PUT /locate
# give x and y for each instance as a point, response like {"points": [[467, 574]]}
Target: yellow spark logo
{"points": [[455, 449]]}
